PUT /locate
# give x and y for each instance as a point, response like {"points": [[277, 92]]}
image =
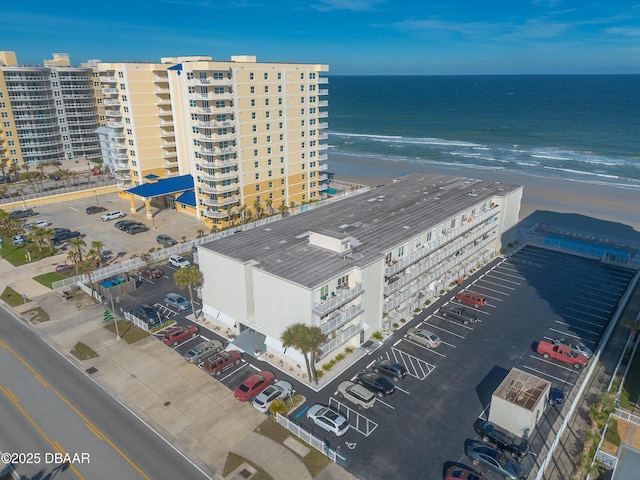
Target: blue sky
{"points": [[352, 36]]}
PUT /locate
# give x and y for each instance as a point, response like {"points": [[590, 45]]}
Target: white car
{"points": [[112, 215], [425, 337], [280, 389], [328, 419], [178, 261], [40, 224]]}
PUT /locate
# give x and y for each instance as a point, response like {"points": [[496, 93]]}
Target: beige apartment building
{"points": [[48, 112], [250, 134]]}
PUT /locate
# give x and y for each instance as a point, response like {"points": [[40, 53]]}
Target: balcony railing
{"points": [[431, 245], [218, 150], [342, 338], [219, 176], [218, 188], [215, 124], [323, 167], [336, 300], [215, 138], [341, 318], [213, 213], [215, 202], [217, 163]]}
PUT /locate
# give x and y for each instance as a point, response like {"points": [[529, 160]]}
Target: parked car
{"points": [[217, 364], [137, 228], [472, 298], [460, 314], [577, 344], [253, 385], [504, 440], [556, 396], [40, 224], [178, 261], [177, 301], [60, 229], [165, 240], [376, 383], [356, 394], [180, 334], [459, 473], [27, 212], [151, 273], [148, 314], [112, 215], [94, 209], [562, 353], [62, 236], [124, 224], [480, 454], [424, 337], [396, 371], [328, 419], [201, 351], [63, 267], [280, 389]]}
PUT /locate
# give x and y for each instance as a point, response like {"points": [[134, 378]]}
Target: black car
{"points": [[27, 212], [57, 230], [396, 371], [376, 383], [62, 236], [136, 228], [124, 224], [94, 209], [461, 314], [165, 240], [148, 314], [506, 441]]}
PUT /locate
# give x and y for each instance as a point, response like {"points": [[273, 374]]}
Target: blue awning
{"points": [[165, 186], [187, 198]]}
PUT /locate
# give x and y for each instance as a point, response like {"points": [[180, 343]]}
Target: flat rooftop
{"points": [[376, 221]]}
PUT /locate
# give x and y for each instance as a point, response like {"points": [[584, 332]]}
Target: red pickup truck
{"points": [[561, 352]]}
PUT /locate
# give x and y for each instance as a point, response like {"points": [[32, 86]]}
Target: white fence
{"points": [[312, 440], [136, 321], [609, 461]]}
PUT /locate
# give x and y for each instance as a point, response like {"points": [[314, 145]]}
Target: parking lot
{"points": [[421, 429], [71, 214]]}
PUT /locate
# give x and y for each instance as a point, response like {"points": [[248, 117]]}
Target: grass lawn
{"points": [[631, 390], [36, 315], [47, 279], [83, 352], [314, 460], [128, 331], [234, 461], [12, 297]]}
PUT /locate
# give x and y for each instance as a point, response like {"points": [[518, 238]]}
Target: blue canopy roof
{"points": [[164, 187], [187, 198]]}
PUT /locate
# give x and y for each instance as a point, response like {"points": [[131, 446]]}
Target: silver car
{"points": [[424, 337], [280, 389], [177, 301], [201, 351], [328, 419], [356, 394]]}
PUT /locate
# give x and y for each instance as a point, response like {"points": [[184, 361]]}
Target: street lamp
{"points": [[96, 194]]}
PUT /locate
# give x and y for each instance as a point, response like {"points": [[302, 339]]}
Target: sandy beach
{"points": [[597, 208]]}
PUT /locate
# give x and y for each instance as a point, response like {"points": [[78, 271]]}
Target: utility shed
{"points": [[518, 402]]}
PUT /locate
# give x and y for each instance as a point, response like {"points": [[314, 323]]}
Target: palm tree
{"points": [[257, 208], [42, 236], [242, 210], [187, 278], [307, 340], [230, 214], [269, 203], [282, 208], [78, 243], [98, 245], [4, 161]]}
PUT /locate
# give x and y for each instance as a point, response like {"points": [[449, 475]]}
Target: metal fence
{"points": [[609, 461], [629, 417], [58, 191], [317, 443]]}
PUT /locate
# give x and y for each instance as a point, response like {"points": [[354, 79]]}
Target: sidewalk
{"points": [[160, 387]]}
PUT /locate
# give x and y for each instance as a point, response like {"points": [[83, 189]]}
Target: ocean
{"points": [[578, 127]]}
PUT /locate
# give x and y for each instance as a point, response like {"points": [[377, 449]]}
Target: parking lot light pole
{"points": [[96, 195]]}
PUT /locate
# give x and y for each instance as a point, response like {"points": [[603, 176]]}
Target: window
{"points": [[266, 76], [282, 181], [253, 102], [192, 89], [266, 102], [267, 114], [279, 76], [270, 183], [302, 101], [253, 115], [280, 101], [268, 126], [251, 76], [255, 164], [269, 162], [302, 88], [279, 88], [255, 140], [268, 138], [428, 236], [453, 223], [253, 89], [255, 153], [124, 98], [257, 187], [257, 176], [120, 75], [269, 172], [266, 89], [282, 171], [302, 76], [123, 86]]}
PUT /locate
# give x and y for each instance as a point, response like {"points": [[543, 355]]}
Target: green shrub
{"points": [[402, 320], [319, 374], [339, 357], [348, 350], [376, 336], [395, 325], [416, 310], [428, 302], [326, 367], [612, 434]]}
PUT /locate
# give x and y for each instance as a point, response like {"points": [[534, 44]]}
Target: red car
{"points": [[253, 385], [222, 361], [458, 473], [151, 273], [564, 353], [176, 335]]}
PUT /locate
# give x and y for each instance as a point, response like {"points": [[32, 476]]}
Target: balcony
{"points": [[217, 163], [109, 91], [113, 113], [218, 189], [323, 80], [336, 300], [323, 103], [121, 166], [215, 202], [323, 114], [213, 213], [341, 317], [122, 176], [323, 125], [219, 176], [162, 90], [166, 144], [433, 244], [323, 136], [228, 96], [169, 155], [324, 177], [170, 164], [323, 146], [323, 91], [342, 338], [108, 80], [323, 158], [218, 150], [215, 124], [109, 102], [322, 167], [215, 138]]}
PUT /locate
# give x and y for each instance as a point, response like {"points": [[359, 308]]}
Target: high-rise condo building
{"points": [[48, 112]]}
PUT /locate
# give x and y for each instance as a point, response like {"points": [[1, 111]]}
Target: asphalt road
{"points": [[50, 406]]}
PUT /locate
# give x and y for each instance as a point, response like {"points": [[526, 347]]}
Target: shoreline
{"points": [[598, 208]]}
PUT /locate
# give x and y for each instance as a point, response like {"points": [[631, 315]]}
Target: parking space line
{"points": [[591, 299], [453, 322], [497, 284], [401, 389], [234, 371], [566, 382], [593, 324], [385, 404], [205, 338], [511, 275], [444, 330], [182, 343], [588, 314], [477, 310], [492, 290], [549, 362], [567, 334], [425, 348], [504, 279], [368, 425], [593, 307], [416, 367], [573, 336]]}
